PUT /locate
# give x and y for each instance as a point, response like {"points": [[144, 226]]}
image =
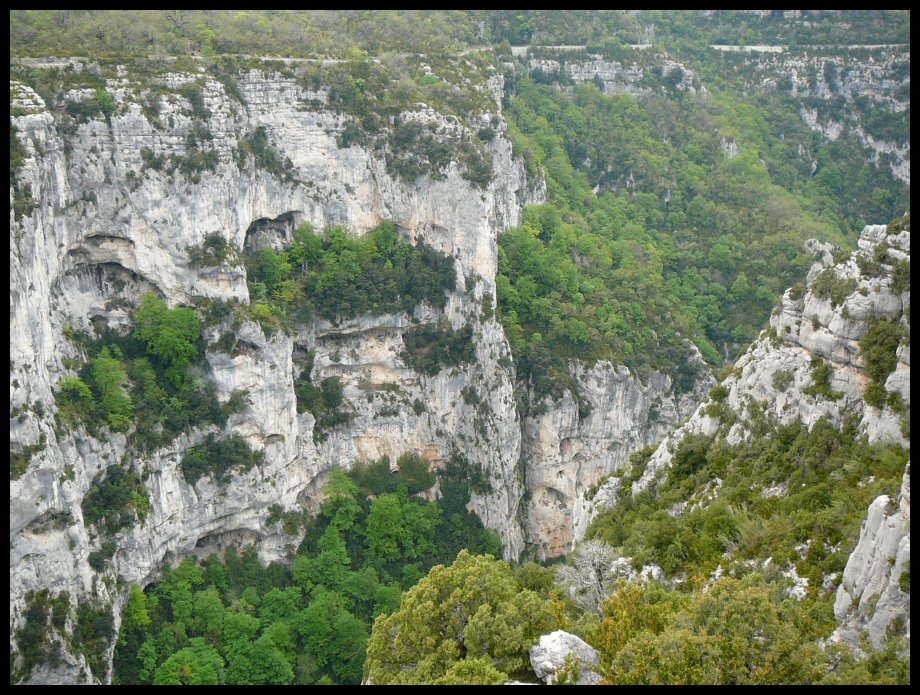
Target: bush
{"points": [[265, 156], [487, 614], [821, 373], [171, 335], [828, 285], [879, 348], [213, 251], [193, 163], [376, 478], [32, 638], [164, 400], [429, 349], [339, 277], [193, 92], [218, 457], [325, 402], [782, 378], [107, 378], [900, 277], [98, 558], [874, 395], [93, 634], [117, 499], [152, 160]]}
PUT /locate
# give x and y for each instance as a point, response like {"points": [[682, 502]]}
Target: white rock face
{"points": [[880, 76], [616, 77], [548, 656], [869, 599], [105, 230], [110, 225], [567, 453]]}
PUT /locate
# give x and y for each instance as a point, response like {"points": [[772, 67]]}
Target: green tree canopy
{"points": [[171, 335], [473, 609], [197, 664]]}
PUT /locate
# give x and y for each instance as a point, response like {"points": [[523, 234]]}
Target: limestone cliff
{"points": [[640, 76], [861, 89], [568, 448], [104, 228], [874, 595], [864, 90], [821, 323], [105, 207]]}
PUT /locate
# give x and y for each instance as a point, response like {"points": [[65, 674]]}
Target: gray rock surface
{"points": [[870, 600], [616, 77], [107, 227], [548, 657], [878, 76], [567, 453]]}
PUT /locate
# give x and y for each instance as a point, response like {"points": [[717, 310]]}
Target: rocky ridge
{"points": [[810, 365], [874, 595], [831, 83]]}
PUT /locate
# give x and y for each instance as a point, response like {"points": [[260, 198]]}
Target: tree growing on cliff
{"points": [[171, 335]]}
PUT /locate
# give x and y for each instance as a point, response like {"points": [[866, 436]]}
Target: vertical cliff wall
{"points": [[102, 227], [106, 203]]}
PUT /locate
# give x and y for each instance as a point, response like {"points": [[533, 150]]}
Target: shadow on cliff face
{"points": [[275, 233]]}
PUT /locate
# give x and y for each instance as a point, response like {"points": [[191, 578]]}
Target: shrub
{"points": [[213, 251], [782, 378], [429, 349], [828, 285], [376, 478], [265, 156], [117, 499], [325, 402], [821, 373], [218, 457], [879, 349]]}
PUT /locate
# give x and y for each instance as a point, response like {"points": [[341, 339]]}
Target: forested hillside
{"points": [[459, 347]]}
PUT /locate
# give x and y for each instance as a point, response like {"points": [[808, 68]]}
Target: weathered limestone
{"points": [[548, 658], [870, 599]]}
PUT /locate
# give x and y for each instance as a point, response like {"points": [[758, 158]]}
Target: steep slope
{"points": [[569, 446], [874, 595], [162, 178], [815, 414], [862, 91], [785, 373], [104, 226]]}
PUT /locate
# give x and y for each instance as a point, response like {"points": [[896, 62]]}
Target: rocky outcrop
{"points": [[811, 365], [570, 446], [560, 656], [823, 321], [840, 91], [874, 595], [616, 77]]}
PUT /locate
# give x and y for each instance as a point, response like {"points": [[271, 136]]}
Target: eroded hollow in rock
{"points": [[265, 233], [217, 543], [90, 293]]}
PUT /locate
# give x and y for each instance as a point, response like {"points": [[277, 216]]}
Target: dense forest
{"points": [[231, 620], [337, 32], [676, 214]]}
